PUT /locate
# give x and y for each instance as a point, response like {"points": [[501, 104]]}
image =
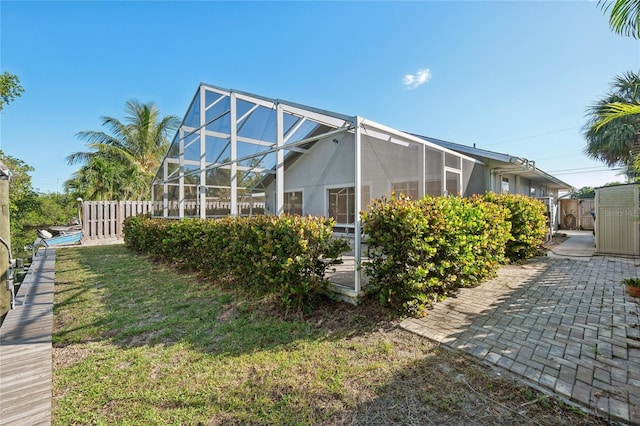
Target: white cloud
{"points": [[413, 81]]}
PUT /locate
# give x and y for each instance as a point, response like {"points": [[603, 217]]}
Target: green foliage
{"points": [[624, 16], [422, 250], [10, 88], [120, 164], [22, 198], [585, 192], [29, 210], [528, 224], [615, 142], [286, 255], [631, 282]]}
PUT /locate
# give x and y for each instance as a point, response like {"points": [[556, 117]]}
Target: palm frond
{"points": [[624, 16], [121, 161], [616, 111]]}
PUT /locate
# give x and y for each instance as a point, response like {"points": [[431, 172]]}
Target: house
{"points": [[237, 153], [515, 175]]}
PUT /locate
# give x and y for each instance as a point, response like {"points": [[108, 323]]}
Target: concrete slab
{"points": [[580, 245]]}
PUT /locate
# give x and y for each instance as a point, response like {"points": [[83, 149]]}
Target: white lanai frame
{"points": [[200, 107], [305, 125], [365, 132]]}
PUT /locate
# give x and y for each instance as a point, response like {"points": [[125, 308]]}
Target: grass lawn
{"points": [[139, 343]]}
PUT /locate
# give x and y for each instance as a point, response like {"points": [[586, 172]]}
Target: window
{"points": [[342, 204], [433, 167], [293, 203], [409, 188], [453, 183], [505, 185], [452, 161]]}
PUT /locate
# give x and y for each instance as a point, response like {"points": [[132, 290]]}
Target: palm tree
{"points": [[612, 130], [99, 179], [129, 154], [624, 17], [616, 110]]}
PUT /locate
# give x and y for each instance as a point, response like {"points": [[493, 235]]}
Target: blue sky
{"points": [[513, 77]]}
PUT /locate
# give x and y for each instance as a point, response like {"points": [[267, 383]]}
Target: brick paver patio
{"points": [[563, 325]]}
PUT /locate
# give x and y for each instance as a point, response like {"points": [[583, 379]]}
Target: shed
{"points": [[617, 226]]}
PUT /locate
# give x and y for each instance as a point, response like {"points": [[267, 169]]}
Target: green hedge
{"points": [[286, 255], [421, 250], [528, 217]]}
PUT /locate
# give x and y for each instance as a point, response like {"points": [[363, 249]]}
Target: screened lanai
{"points": [[237, 154]]}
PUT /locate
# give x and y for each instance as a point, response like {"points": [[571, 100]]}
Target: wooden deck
{"points": [[25, 348]]}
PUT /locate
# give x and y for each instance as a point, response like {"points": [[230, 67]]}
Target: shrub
{"points": [[286, 255], [422, 250], [528, 217]]}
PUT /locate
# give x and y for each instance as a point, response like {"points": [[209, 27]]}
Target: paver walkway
{"points": [[563, 325]]}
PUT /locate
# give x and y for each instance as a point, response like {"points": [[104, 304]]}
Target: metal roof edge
{"points": [[417, 139], [498, 156]]}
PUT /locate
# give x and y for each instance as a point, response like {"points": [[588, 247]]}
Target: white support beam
{"points": [[220, 135], [212, 104], [234, 157], [181, 176], [422, 171], [165, 190], [289, 147], [255, 141], [254, 100], [294, 129], [384, 137], [357, 249], [296, 149], [320, 118], [279, 161], [214, 90], [246, 114], [201, 190]]}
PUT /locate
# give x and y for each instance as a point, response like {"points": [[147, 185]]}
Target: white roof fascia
{"points": [[521, 164], [215, 89], [498, 156], [318, 116], [415, 139], [254, 100], [323, 116], [320, 111]]}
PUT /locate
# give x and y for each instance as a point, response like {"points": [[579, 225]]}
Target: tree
{"points": [[615, 111], [10, 88], [624, 16], [612, 116], [615, 141], [584, 193], [121, 164], [22, 198]]}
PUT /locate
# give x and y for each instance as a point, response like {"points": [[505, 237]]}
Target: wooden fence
{"points": [[102, 220], [576, 214]]}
